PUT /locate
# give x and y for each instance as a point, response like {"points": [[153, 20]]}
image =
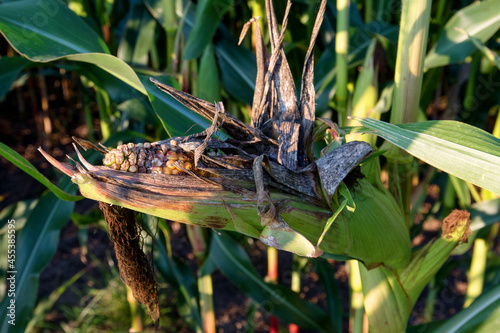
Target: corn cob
{"points": [[165, 158]]}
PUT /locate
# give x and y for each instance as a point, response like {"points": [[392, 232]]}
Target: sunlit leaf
{"points": [[480, 19], [44, 30], [459, 149]]}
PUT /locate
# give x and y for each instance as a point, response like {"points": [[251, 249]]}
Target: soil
{"points": [[22, 128]]}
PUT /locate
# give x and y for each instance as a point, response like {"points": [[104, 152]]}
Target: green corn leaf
{"points": [[27, 167], [36, 243], [113, 66], [237, 67], [482, 316], [484, 213], [480, 19], [208, 77], [208, 15], [63, 35], [138, 37], [176, 273], [326, 275], [236, 266], [11, 67], [44, 30], [489, 54], [459, 149]]}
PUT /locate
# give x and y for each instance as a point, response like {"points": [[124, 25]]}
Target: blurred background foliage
{"points": [[82, 68]]}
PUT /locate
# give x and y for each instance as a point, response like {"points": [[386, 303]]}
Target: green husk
{"points": [[390, 295]]}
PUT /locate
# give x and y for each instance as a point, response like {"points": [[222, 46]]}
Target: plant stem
{"points": [[272, 277], [297, 267], [341, 48], [104, 105], [357, 308], [476, 271], [135, 315], [206, 303], [368, 10], [412, 41]]}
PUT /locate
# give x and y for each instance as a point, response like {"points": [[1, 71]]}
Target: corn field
{"points": [[260, 166]]}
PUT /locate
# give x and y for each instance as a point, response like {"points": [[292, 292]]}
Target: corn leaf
{"points": [[236, 266], [459, 149], [36, 244], [113, 66], [481, 316], [27, 167], [179, 276], [208, 15], [237, 67], [480, 19], [208, 77], [11, 67], [138, 36], [487, 52], [326, 275], [63, 35], [44, 30]]}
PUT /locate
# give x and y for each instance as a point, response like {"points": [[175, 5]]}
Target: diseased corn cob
{"points": [[165, 158]]}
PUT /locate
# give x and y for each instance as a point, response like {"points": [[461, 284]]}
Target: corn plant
{"points": [[241, 138]]}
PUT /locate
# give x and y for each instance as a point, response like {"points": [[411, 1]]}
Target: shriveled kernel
{"points": [[119, 158], [125, 165], [167, 159], [157, 162]]}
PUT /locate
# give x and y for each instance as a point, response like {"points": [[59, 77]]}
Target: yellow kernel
{"points": [[172, 155], [170, 164]]}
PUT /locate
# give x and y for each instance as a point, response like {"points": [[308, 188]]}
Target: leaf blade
{"points": [[462, 150], [480, 20], [27, 167]]}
